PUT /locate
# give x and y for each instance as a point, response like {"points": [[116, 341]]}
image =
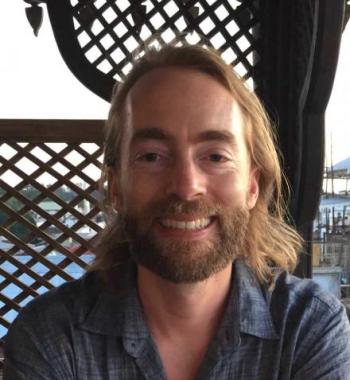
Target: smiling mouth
{"points": [[188, 225]]}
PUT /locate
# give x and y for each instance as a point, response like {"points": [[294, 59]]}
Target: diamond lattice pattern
{"points": [[112, 32], [49, 217]]}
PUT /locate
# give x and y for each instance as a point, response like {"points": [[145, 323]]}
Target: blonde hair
{"points": [[270, 242]]}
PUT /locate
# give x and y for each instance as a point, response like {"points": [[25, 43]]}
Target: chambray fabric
{"points": [[83, 331]]}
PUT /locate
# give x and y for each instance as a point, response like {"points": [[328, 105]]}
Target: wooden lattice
{"points": [[119, 28], [49, 211], [100, 38]]}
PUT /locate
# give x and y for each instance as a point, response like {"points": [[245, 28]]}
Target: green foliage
{"points": [[30, 192], [20, 230]]}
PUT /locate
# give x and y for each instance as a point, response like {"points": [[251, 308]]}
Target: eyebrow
{"points": [[217, 135], [150, 134], [155, 133]]}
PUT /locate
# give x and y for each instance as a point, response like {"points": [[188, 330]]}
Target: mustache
{"points": [[173, 207]]}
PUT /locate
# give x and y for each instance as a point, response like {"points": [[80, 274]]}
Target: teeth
{"points": [[182, 225]]}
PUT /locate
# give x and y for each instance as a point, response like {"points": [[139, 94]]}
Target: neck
{"points": [[184, 308]]}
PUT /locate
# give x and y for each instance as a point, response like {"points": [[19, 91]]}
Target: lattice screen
{"points": [[108, 33], [49, 216]]}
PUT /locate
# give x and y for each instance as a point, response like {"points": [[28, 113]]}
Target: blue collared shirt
{"points": [[82, 330]]}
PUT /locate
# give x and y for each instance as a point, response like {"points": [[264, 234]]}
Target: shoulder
{"points": [[313, 325], [54, 328], [293, 293], [62, 309], [303, 304], [52, 315], [38, 341], [71, 299]]}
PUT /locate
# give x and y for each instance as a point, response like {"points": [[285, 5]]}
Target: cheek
{"points": [[230, 190], [140, 190]]}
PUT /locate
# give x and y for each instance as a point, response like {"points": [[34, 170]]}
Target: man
{"points": [[190, 279]]}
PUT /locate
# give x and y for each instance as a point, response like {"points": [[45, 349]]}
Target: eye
{"points": [[149, 157], [215, 157]]}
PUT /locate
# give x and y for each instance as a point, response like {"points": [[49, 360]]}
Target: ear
{"points": [[114, 189], [253, 188]]}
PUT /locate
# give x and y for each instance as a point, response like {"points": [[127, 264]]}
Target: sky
{"points": [[338, 110], [35, 82]]}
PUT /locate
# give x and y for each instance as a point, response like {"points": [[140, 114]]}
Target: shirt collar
{"points": [[119, 313], [253, 303]]}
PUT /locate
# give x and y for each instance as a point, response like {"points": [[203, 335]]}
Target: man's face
{"points": [[185, 186]]}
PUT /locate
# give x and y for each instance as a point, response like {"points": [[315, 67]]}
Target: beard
{"points": [[182, 261]]}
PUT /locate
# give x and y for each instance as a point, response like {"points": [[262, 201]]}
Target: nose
{"points": [[187, 181]]}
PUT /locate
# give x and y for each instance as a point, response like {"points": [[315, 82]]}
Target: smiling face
{"points": [[185, 184]]}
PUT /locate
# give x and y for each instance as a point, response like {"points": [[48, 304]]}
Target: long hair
{"points": [[270, 242]]}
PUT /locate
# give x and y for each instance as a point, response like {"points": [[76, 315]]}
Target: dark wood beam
{"points": [[51, 130]]}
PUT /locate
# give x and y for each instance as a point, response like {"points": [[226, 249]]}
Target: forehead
{"points": [[182, 100]]}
